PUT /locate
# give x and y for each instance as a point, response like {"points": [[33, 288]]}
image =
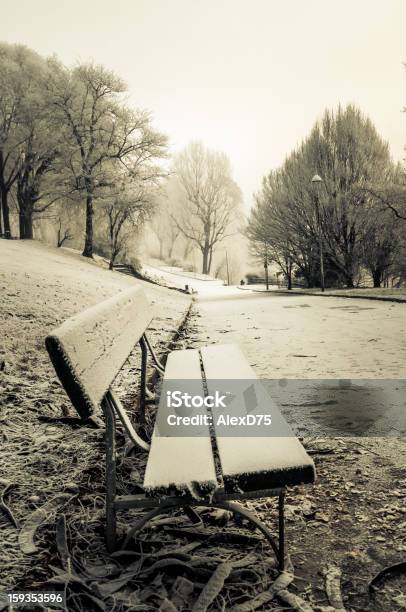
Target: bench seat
{"points": [[273, 460], [185, 465], [181, 465]]}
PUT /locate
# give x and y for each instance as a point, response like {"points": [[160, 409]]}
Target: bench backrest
{"points": [[89, 349]]}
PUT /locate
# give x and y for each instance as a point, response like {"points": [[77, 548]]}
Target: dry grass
{"points": [[39, 288]]}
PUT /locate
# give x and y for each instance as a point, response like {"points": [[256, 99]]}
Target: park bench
{"points": [[205, 470]]}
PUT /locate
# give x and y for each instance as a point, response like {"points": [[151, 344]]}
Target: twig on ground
{"points": [[6, 510]]}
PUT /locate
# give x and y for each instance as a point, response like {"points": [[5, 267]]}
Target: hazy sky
{"points": [[248, 77]]}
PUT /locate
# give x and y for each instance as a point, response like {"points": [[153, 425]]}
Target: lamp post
{"points": [[316, 182], [266, 268]]}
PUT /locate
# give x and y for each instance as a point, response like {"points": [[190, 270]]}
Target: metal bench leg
{"points": [[110, 441], [160, 509], [236, 509], [158, 365], [281, 518], [193, 516], [143, 385]]}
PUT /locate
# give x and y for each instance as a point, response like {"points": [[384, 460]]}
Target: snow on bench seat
{"points": [[89, 349], [253, 463], [181, 465]]}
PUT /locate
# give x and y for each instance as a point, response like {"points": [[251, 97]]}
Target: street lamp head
{"points": [[317, 179]]}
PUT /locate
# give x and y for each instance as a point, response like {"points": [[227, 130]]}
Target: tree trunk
{"points": [[377, 277], [25, 222], [289, 266], [28, 227], [88, 248], [113, 256], [205, 252], [6, 212], [61, 239], [21, 224], [210, 260], [266, 277]]}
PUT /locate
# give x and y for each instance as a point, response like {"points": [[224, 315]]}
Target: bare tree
{"points": [[14, 62], [345, 149], [211, 199], [259, 239], [63, 234], [187, 248], [98, 129], [164, 223], [127, 204], [28, 147], [158, 225]]}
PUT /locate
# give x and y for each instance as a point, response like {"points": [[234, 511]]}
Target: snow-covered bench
{"points": [[89, 350]]}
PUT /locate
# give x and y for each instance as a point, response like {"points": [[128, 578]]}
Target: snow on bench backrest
{"points": [[90, 348]]}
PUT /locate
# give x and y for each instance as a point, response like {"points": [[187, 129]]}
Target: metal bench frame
{"points": [[112, 409]]}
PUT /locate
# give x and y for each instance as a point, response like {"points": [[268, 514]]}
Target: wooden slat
{"points": [[181, 465], [251, 463], [89, 349]]}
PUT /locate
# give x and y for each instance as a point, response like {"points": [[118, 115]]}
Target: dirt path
{"points": [[354, 516], [308, 337]]}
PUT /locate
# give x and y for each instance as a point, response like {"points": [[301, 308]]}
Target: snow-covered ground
{"points": [[40, 287], [294, 336], [327, 342], [381, 293], [351, 517], [199, 284]]}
